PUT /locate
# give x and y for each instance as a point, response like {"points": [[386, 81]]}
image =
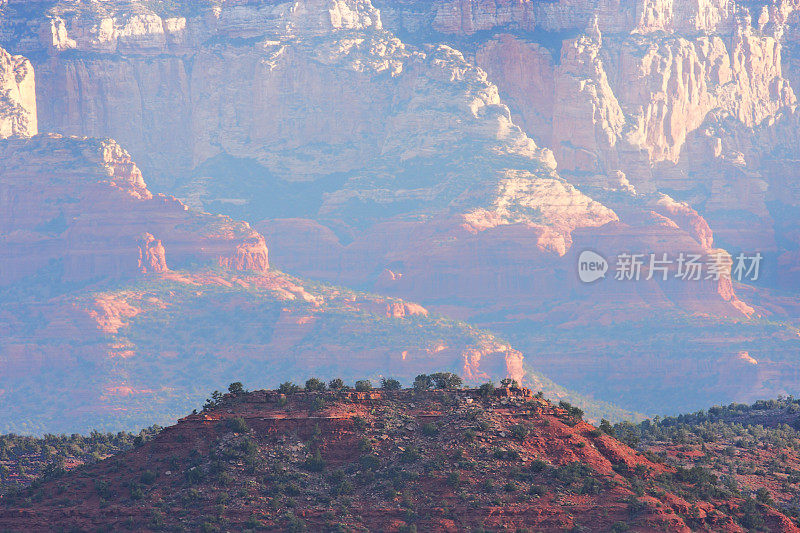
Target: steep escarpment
{"points": [[80, 208], [441, 460], [326, 93], [17, 96], [223, 81], [618, 91]]}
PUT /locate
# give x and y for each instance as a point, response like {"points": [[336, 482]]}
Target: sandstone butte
{"points": [[439, 460], [462, 153], [83, 203]]}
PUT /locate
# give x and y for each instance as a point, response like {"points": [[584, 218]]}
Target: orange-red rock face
{"points": [[83, 204], [555, 451]]}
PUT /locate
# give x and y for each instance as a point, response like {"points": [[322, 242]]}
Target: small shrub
{"points": [[137, 493], [315, 463], [430, 429], [194, 475], [606, 427], [410, 455], [537, 490], [236, 388], [509, 383], [363, 385], [314, 385], [572, 411], [453, 479], [590, 486], [103, 488], [288, 387], [293, 524], [390, 384], [148, 477], [763, 496], [487, 389], [505, 455], [520, 431], [317, 404], [364, 445], [237, 425], [538, 465], [214, 401], [370, 462], [487, 485], [636, 507], [336, 384]]}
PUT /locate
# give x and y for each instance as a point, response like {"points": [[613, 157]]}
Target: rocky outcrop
{"points": [[638, 89], [81, 208], [628, 104], [17, 96], [646, 94], [152, 257], [359, 96]]}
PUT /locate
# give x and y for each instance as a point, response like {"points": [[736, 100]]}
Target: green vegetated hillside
{"points": [[25, 460], [736, 450]]}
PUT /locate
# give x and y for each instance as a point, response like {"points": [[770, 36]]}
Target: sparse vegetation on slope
{"points": [[423, 459], [736, 450], [24, 459]]}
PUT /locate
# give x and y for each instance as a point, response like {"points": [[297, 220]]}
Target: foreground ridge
{"points": [[394, 460]]}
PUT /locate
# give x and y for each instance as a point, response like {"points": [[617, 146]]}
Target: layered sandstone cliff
{"points": [[81, 204], [620, 90], [321, 91]]}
